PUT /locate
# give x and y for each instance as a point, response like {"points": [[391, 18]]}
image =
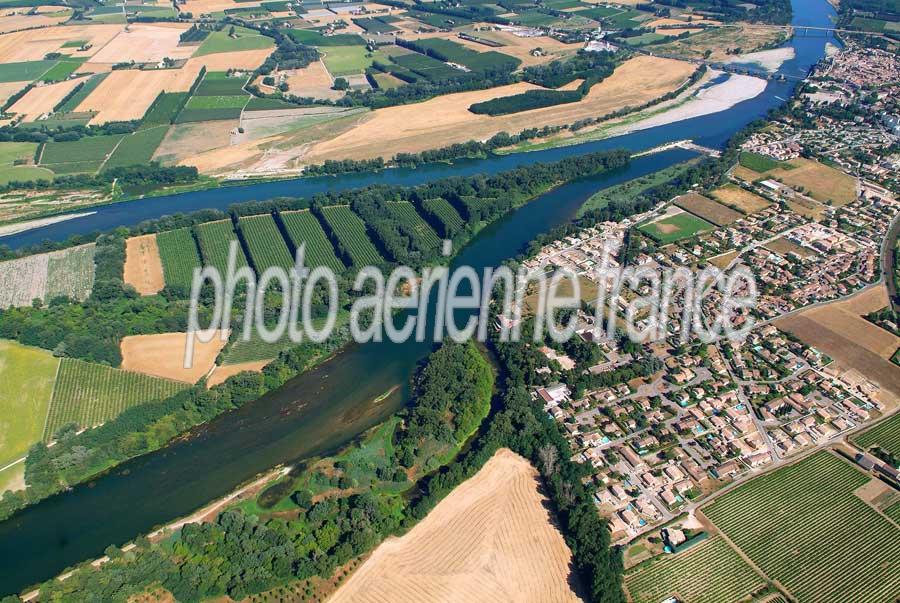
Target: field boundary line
{"points": [[50, 404], [13, 464], [110, 154]]}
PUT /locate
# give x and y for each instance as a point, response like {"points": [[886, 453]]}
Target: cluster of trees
{"points": [[584, 65], [128, 177], [65, 133], [288, 53], [777, 12], [526, 101]]}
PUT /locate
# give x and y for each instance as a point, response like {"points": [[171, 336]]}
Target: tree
{"points": [[548, 455], [340, 84]]}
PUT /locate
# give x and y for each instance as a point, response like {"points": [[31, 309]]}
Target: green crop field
{"points": [[304, 227], [62, 70], [265, 243], [24, 173], [708, 572], [215, 242], [219, 41], [760, 163], [348, 60], [89, 394], [255, 348], [442, 211], [74, 167], [137, 148], [448, 50], [427, 67], [73, 101], [178, 253], [803, 526], [674, 228], [219, 83], [11, 151], [26, 385], [267, 104], [24, 72], [422, 234], [311, 37], [164, 109], [350, 232], [85, 150], [893, 512], [71, 273], [885, 435], [205, 108]]}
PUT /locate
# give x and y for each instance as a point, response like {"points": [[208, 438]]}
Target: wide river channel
{"points": [[325, 408]]}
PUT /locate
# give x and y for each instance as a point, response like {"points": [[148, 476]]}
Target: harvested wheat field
{"points": [[313, 80], [17, 19], [821, 182], [145, 43], [221, 373], [41, 99], [416, 127], [7, 89], [740, 199], [673, 31], [199, 7], [223, 61], [518, 47], [183, 141], [143, 268], [841, 332], [127, 93], [163, 356], [491, 539], [33, 45]]}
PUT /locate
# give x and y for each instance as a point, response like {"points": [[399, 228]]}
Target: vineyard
{"points": [[803, 526], [423, 235], [215, 240], [89, 394], [893, 512], [265, 243], [178, 253], [885, 435], [473, 206], [350, 231], [444, 213], [303, 227], [709, 572], [71, 273], [44, 276]]}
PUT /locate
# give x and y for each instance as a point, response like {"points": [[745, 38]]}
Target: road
{"points": [[888, 263]]}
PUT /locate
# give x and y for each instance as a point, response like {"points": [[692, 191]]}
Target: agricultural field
{"points": [[84, 155], [311, 37], [442, 211], [448, 50], [740, 199], [350, 232], [707, 209], [26, 71], [208, 108], [162, 355], [799, 523], [884, 435], [348, 60], [164, 109], [89, 86], [215, 240], [178, 253], [89, 394], [265, 243], [707, 572], [219, 83], [43, 276], [304, 227], [760, 163], [893, 512], [491, 538], [821, 182], [12, 156], [143, 268], [675, 228], [137, 148], [422, 233], [245, 39], [27, 376], [428, 67]]}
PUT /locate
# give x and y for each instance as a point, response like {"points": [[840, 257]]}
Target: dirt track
{"points": [[491, 539]]}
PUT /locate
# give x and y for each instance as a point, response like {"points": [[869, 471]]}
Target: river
{"points": [[325, 408]]}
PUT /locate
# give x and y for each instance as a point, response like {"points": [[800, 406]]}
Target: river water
{"points": [[325, 408]]}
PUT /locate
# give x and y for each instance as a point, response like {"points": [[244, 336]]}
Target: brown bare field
{"points": [[126, 94], [221, 373], [15, 20], [721, 261], [33, 44], [7, 89], [491, 539], [870, 300], [42, 99], [183, 141], [143, 268], [145, 43], [447, 120], [740, 199], [163, 356], [313, 80], [745, 174], [672, 32], [783, 246], [821, 182], [223, 61], [707, 209]]}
